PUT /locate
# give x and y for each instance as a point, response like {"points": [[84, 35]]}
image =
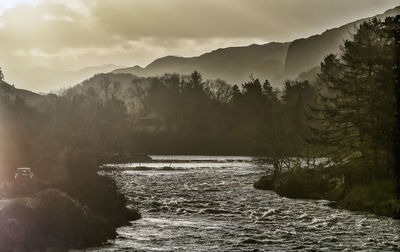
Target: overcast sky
{"points": [[71, 34]]}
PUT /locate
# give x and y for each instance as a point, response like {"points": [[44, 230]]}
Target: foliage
{"points": [[51, 219], [379, 198], [358, 116], [350, 116]]}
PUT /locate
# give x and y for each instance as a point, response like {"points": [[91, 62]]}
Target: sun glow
{"points": [[8, 4]]}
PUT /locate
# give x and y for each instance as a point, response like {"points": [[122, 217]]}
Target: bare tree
{"points": [[219, 90]]}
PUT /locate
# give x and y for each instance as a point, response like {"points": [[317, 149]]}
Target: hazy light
{"points": [[2, 145], [8, 4], [65, 34]]}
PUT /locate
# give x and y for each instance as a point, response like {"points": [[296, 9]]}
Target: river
{"points": [[208, 203]]}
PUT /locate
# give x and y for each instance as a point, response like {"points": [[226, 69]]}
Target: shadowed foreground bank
{"points": [[67, 204], [79, 211], [53, 219]]}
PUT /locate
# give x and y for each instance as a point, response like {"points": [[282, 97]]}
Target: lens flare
{"points": [[2, 144]]}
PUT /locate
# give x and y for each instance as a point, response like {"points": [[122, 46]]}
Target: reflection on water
{"points": [[207, 203]]}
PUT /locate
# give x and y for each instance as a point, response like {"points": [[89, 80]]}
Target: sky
{"points": [[72, 34]]}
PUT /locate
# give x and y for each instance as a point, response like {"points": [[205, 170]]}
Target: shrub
{"points": [[378, 197], [51, 219]]}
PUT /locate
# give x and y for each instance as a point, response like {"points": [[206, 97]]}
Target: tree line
{"points": [[348, 113]]}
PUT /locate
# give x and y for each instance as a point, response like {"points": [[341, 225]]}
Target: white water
{"points": [[207, 203]]}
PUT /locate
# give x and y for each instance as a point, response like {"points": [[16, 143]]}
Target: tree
{"points": [[1, 74], [268, 92], [105, 86], [358, 116], [219, 91], [195, 81]]}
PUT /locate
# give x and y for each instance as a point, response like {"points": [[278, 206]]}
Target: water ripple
{"points": [[209, 204]]}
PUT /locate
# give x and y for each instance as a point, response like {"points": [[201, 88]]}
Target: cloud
{"points": [[77, 33]]}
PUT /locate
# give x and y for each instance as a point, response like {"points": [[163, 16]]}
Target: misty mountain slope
{"points": [[53, 79], [304, 54], [273, 61], [233, 64], [124, 79], [127, 87], [29, 97]]}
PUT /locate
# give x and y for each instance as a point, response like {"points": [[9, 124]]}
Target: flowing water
{"points": [[208, 203]]}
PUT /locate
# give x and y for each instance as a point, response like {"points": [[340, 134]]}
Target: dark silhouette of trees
{"points": [[357, 91]]}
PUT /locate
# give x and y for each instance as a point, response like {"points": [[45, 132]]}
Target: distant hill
{"points": [[273, 61], [52, 79], [233, 64], [29, 97]]}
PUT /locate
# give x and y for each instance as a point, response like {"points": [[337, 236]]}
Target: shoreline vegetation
{"points": [[354, 126], [378, 197]]}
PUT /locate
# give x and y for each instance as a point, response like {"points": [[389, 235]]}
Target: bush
{"points": [[265, 183], [101, 195], [303, 183], [51, 219], [87, 214], [378, 197]]}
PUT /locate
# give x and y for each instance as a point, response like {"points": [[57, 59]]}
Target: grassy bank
{"points": [[377, 197]]}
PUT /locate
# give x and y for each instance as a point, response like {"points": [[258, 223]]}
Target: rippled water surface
{"points": [[204, 203]]}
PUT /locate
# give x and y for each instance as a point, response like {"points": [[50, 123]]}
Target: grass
{"points": [[344, 186]]}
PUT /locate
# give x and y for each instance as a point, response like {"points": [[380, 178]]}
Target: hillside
{"points": [[304, 54], [53, 79], [273, 61], [233, 64], [29, 97]]}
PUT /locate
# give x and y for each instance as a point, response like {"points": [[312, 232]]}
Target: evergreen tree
{"points": [[357, 91]]}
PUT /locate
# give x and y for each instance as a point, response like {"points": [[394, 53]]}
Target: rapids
{"points": [[208, 203]]}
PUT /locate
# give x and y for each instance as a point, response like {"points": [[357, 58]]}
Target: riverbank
{"points": [[77, 210], [53, 219], [377, 197]]}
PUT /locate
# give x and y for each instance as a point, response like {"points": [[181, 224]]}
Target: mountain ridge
{"points": [[305, 53], [219, 63], [275, 61], [29, 97], [54, 79]]}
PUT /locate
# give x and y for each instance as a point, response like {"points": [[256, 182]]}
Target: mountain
{"points": [[273, 61], [52, 79], [233, 64], [305, 54], [29, 97]]}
